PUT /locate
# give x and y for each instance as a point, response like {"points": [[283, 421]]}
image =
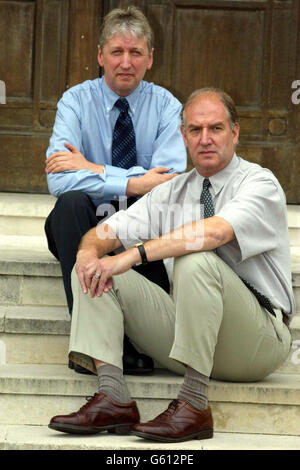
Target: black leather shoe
{"points": [[135, 363], [79, 369]]}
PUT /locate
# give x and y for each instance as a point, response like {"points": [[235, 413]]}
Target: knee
{"points": [[185, 267], [194, 260]]}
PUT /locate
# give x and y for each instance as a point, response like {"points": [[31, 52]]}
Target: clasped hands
{"points": [[95, 274]]}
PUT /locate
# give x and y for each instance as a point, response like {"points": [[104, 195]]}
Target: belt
{"points": [[262, 299]]}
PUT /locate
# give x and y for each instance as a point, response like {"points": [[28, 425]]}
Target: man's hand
{"points": [[72, 160], [144, 184], [88, 264]]}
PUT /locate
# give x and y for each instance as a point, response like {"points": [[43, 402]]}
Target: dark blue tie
{"points": [[206, 200], [209, 211], [123, 144]]}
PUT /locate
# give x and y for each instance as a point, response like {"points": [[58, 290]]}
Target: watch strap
{"points": [[141, 248]]}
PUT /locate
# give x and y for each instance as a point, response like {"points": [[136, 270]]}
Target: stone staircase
{"points": [[35, 382]]}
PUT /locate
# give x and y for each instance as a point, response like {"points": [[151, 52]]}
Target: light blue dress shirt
{"points": [[86, 117]]}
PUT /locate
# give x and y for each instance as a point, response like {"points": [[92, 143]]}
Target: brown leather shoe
{"points": [[180, 422], [100, 413]]}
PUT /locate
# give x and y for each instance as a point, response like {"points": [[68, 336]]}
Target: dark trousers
{"points": [[73, 215]]}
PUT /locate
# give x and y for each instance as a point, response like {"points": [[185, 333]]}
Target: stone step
{"points": [[33, 277], [292, 363], [294, 224], [25, 214], [32, 394], [31, 334], [30, 277], [18, 437], [21, 242], [296, 277]]}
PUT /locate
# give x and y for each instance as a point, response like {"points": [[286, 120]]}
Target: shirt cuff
{"points": [[114, 187], [115, 171]]}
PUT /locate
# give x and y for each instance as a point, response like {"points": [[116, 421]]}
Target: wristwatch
{"points": [[141, 248]]}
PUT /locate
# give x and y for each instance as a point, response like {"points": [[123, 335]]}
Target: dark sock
{"points": [[194, 389], [112, 383]]}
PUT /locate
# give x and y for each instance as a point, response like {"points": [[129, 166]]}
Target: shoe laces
{"points": [[170, 410], [88, 399]]}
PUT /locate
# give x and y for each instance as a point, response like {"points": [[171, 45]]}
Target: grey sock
{"points": [[194, 389], [112, 382]]}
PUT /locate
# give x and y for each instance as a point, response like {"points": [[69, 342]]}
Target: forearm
{"points": [[133, 187], [202, 235], [99, 241]]}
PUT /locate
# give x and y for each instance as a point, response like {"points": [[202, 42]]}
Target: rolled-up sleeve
{"points": [[143, 220], [254, 214]]}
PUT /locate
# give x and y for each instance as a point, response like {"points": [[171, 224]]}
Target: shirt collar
{"points": [[218, 180], [110, 97]]}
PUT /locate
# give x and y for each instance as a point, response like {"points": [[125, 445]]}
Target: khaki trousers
{"points": [[212, 323]]}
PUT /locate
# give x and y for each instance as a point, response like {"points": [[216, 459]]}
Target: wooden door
{"points": [[250, 48], [46, 46]]}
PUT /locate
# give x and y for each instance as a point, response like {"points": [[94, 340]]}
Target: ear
{"points": [[182, 130], [100, 57], [150, 63], [235, 134]]}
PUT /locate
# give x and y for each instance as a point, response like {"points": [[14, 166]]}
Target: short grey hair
{"points": [[224, 98], [124, 21]]}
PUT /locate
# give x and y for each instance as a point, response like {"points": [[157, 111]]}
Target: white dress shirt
{"points": [[247, 196]]}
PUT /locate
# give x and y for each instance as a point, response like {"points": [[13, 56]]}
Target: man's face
{"points": [[125, 60], [208, 135]]}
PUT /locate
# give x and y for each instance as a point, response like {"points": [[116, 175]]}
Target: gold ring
{"points": [[97, 275]]}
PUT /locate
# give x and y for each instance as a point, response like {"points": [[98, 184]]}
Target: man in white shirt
{"points": [[232, 292]]}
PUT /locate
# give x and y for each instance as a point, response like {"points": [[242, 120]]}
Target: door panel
{"points": [[46, 46]]}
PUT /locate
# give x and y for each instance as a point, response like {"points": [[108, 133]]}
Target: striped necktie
{"points": [[209, 211], [123, 143], [206, 200]]}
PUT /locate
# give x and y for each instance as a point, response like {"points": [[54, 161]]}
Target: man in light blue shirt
{"points": [[86, 118], [79, 158]]}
